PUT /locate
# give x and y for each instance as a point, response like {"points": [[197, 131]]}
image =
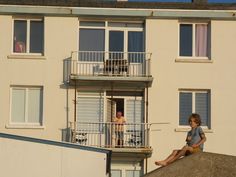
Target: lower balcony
{"points": [[129, 137]]}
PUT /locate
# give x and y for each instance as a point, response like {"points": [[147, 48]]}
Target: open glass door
{"points": [[110, 114]]}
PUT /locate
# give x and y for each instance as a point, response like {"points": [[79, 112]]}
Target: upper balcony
{"points": [[100, 66]]}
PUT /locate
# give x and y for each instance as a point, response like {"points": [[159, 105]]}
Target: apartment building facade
{"points": [[68, 67]]}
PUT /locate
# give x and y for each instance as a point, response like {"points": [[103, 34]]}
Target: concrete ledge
{"points": [[201, 164]]}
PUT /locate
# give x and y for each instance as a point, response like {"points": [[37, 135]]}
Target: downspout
{"points": [[146, 103], [111, 100], [75, 100], [146, 159], [111, 132]]}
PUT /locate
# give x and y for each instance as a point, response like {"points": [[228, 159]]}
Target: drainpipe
{"points": [[111, 100], [111, 131], [75, 100], [146, 103], [146, 159]]}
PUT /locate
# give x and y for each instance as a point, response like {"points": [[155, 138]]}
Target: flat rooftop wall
{"points": [[27, 157]]}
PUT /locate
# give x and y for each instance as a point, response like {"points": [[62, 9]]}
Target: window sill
{"points": [[24, 126], [183, 129], [193, 60], [26, 56]]}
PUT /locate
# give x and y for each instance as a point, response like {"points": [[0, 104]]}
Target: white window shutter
{"points": [[18, 105], [202, 107], [90, 109], [34, 105]]}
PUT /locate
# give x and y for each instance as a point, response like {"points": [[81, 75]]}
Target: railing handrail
{"points": [[104, 134], [110, 63], [128, 123], [109, 52], [97, 51]]}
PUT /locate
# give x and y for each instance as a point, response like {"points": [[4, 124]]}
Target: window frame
{"points": [[207, 58], [140, 27], [26, 123], [135, 166], [27, 46], [194, 91]]}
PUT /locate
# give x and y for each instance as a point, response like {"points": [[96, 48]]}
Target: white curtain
{"points": [[201, 40]]}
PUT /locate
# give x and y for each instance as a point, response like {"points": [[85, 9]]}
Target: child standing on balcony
{"points": [[119, 121], [195, 140]]}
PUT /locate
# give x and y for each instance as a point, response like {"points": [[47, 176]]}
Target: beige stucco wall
{"points": [[26, 158], [60, 40], [170, 76]]}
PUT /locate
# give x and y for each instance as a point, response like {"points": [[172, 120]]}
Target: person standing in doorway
{"points": [[119, 121]]}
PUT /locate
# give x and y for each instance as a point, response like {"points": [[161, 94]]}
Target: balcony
{"points": [[109, 66], [104, 135]]}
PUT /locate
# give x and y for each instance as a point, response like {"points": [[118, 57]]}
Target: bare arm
{"points": [[124, 120]]}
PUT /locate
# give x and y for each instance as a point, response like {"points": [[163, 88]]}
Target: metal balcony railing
{"points": [[100, 63], [100, 134]]}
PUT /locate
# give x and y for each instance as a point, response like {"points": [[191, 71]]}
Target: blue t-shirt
{"points": [[194, 136]]}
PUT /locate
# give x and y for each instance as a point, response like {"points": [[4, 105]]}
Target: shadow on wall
{"points": [[66, 69], [66, 135], [66, 132]]}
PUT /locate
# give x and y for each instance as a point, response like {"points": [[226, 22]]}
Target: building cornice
{"points": [[116, 12], [197, 4]]}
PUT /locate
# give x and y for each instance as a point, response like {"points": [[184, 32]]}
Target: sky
{"points": [[210, 1]]}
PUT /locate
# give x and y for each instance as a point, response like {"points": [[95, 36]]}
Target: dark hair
{"points": [[196, 118]]}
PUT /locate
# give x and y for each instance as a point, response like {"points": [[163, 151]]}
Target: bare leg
{"points": [[118, 142], [164, 162], [176, 154], [180, 154]]}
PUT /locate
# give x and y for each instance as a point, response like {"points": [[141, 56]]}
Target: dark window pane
{"points": [[91, 40], [135, 41], [186, 40], [36, 37], [116, 41], [116, 44], [135, 46], [185, 107], [20, 31], [202, 107]]}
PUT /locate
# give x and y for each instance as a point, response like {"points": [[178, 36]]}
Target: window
{"points": [[194, 102], [194, 40], [26, 105], [90, 110], [96, 39], [28, 36], [136, 46], [91, 41], [116, 173], [123, 168], [133, 173]]}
